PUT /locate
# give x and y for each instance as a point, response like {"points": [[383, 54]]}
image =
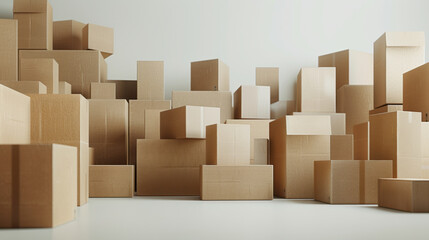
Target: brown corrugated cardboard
{"points": [[91, 160], [291, 107], [31, 6], [305, 124], [425, 149], [26, 87], [169, 166], [79, 68], [152, 122], [187, 122], [100, 38], [68, 35], [103, 90], [64, 87], [386, 108], [338, 121], [209, 75], [38, 185], [261, 152], [125, 89], [236, 182], [252, 102], [44, 70], [269, 76], [361, 141], [370, 172], [355, 101], [316, 90], [394, 54], [342, 147], [150, 80], [111, 181], [9, 50], [410, 195], [415, 89]]}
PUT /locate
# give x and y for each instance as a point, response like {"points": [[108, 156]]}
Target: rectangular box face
{"points": [[64, 88], [103, 91], [278, 109], [261, 152], [111, 181], [67, 35], [150, 80], [100, 38], [342, 147], [41, 70], [9, 50], [386, 108], [269, 76], [415, 88], [361, 141], [236, 182], [338, 121], [152, 129], [371, 171], [209, 75], [307, 124], [252, 102], [30, 6], [125, 89], [26, 87]]}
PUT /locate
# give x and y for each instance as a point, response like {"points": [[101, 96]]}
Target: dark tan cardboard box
{"points": [[42, 70], [387, 108], [100, 38], [103, 90], [150, 80], [9, 50], [209, 75], [361, 141], [26, 87], [107, 181], [68, 35]]}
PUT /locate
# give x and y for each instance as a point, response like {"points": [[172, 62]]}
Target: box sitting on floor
{"points": [[111, 181]]}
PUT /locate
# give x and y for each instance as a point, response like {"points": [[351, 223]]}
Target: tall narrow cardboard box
{"points": [[150, 80], [269, 76], [8, 50]]}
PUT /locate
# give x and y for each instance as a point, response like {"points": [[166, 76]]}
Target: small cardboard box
{"points": [[361, 141], [209, 75], [228, 144], [111, 181], [37, 185], [68, 35], [416, 85], [252, 102], [150, 80], [269, 76], [100, 38], [9, 50], [152, 126], [103, 90], [26, 87], [42, 70], [261, 152], [342, 147], [236, 182], [338, 121], [386, 108], [64, 87], [125, 89], [410, 195], [187, 122]]}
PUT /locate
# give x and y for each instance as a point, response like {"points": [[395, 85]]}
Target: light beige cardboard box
{"points": [[342, 147], [150, 80], [26, 87], [103, 90], [355, 101], [35, 25], [100, 38], [416, 85], [338, 121], [68, 35], [209, 75], [269, 76], [169, 167], [64, 87], [410, 195], [15, 117], [352, 67], [252, 102], [361, 141], [228, 144], [386, 108], [261, 152], [425, 149], [42, 70], [77, 67], [107, 181], [38, 185], [152, 126], [125, 89], [108, 131], [236, 182], [9, 50], [316, 90], [394, 54], [187, 122]]}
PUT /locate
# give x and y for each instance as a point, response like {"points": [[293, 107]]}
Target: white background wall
{"points": [[243, 33]]}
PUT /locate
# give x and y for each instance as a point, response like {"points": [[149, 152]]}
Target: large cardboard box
{"points": [[236, 182], [410, 195], [111, 181], [338, 121], [425, 149], [100, 38], [386, 108], [416, 85], [355, 101], [150, 80], [316, 90], [125, 89], [26, 87], [342, 147], [103, 90], [269, 76], [68, 35], [261, 152], [222, 100], [394, 54], [252, 102], [361, 141], [8, 50], [79, 68], [209, 75], [42, 70], [15, 117], [152, 123], [187, 122], [169, 167], [64, 87], [37, 185], [352, 67]]}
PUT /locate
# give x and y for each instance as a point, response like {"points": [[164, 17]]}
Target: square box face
{"points": [[252, 102], [209, 75]]}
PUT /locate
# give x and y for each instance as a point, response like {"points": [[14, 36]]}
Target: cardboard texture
{"points": [[416, 85], [79, 68], [103, 90], [64, 87], [316, 90], [45, 71], [278, 109], [100, 38], [386, 108], [152, 126], [361, 141], [342, 147], [355, 101], [228, 144], [424, 134], [269, 76], [9, 50], [291, 107], [209, 75], [252, 102], [394, 54], [169, 167], [125, 89], [91, 160], [68, 35], [187, 122], [37, 185], [338, 121], [236, 182], [111, 181], [410, 195], [30, 6], [261, 152], [26, 87], [150, 80]]}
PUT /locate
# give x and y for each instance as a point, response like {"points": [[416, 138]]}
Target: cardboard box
{"points": [[37, 185], [291, 107], [236, 182], [64, 87], [111, 181], [26, 87], [410, 195], [261, 152], [338, 121], [68, 35], [125, 89], [209, 75], [316, 90], [396, 136], [100, 38], [187, 122], [415, 88], [342, 147], [425, 150], [79, 68], [91, 160], [355, 101], [150, 80], [386, 108], [394, 54], [9, 50], [40, 70], [278, 109], [30, 6], [269, 76], [152, 126], [15, 117], [169, 167], [352, 67], [361, 141], [252, 102], [108, 131], [103, 90]]}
